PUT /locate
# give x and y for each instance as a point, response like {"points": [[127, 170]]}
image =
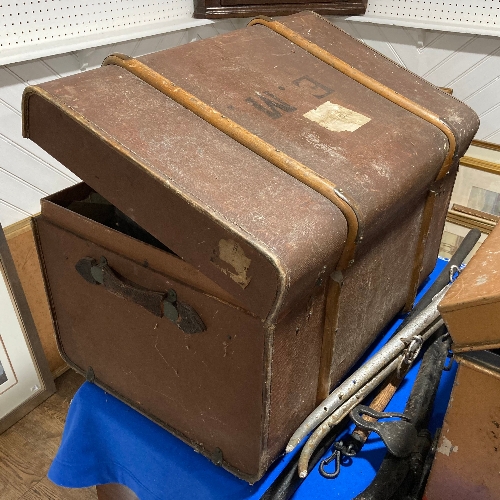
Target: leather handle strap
{"points": [[158, 303]]}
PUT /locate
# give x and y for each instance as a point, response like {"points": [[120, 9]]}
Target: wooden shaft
{"points": [[381, 400]]}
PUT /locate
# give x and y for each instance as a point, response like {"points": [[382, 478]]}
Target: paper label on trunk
{"points": [[336, 118]]}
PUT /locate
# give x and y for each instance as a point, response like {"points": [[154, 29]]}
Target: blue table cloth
{"points": [[105, 441]]}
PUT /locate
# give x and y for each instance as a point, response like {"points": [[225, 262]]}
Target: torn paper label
{"points": [[336, 118], [231, 260]]}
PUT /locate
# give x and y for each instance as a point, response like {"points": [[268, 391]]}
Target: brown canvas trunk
{"points": [[471, 428], [471, 309], [295, 233], [466, 463]]}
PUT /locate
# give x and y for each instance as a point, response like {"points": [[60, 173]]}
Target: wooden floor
{"points": [[28, 447]]}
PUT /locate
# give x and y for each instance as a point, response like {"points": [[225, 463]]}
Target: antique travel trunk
{"points": [[471, 427], [256, 207], [471, 309]]}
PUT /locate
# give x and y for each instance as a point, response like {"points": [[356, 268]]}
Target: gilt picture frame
{"points": [[25, 378], [475, 201], [478, 181]]}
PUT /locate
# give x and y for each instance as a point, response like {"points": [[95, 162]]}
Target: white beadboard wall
{"points": [[470, 64], [27, 173]]}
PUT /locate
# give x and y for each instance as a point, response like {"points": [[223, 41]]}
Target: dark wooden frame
{"points": [[213, 9], [30, 334]]}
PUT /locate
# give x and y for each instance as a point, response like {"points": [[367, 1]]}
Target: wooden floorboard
{"points": [[47, 490], [22, 465], [43, 429], [28, 448]]}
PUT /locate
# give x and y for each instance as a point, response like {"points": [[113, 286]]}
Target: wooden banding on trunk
{"points": [[267, 151], [282, 161], [305, 174], [408, 105]]}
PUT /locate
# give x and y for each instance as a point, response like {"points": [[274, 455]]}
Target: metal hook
{"points": [[399, 436], [326, 461], [410, 353]]}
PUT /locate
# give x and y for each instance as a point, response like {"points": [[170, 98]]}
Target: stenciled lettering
{"points": [[273, 105], [313, 85]]}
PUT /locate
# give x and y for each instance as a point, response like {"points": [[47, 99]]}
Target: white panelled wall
{"points": [[470, 64], [27, 173]]}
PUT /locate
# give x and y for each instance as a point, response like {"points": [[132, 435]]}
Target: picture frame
{"points": [[25, 378], [453, 235], [478, 180], [475, 201], [485, 145]]}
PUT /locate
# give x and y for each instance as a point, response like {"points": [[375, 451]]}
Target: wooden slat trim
{"points": [[478, 164]]}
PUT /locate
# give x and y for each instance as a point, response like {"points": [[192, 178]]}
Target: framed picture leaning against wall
{"points": [[25, 378], [475, 202]]}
